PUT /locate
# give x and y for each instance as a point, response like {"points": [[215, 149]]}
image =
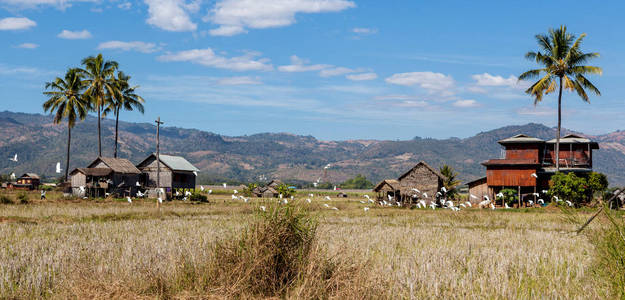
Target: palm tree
{"points": [[68, 102], [563, 67], [449, 181], [100, 83], [124, 97]]}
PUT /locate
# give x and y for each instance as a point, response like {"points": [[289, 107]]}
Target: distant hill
{"points": [[40, 144]]}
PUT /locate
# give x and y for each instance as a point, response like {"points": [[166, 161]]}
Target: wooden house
{"points": [[105, 175], [28, 181], [528, 163], [478, 188], [422, 177], [176, 173]]}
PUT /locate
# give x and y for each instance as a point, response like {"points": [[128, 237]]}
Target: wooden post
{"points": [[519, 196], [158, 161]]}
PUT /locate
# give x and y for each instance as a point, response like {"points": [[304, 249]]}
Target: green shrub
{"points": [[4, 199], [22, 198], [510, 196], [197, 196], [358, 182]]}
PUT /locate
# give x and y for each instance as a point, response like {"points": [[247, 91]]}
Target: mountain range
{"points": [[40, 143]]}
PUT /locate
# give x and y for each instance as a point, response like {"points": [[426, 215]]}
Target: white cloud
{"points": [[493, 80], [540, 111], [362, 76], [336, 71], [24, 4], [28, 46], [171, 15], [207, 57], [433, 82], [466, 103], [125, 5], [240, 80], [74, 35], [301, 65], [233, 16], [364, 31], [16, 23], [138, 46]]}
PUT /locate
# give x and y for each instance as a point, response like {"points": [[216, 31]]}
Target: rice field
{"points": [[113, 249]]}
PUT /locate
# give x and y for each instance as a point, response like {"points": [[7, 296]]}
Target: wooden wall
{"points": [[78, 179], [509, 176], [479, 190], [150, 169], [523, 151]]}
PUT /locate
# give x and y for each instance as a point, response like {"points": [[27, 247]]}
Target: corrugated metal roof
{"points": [[571, 139], [31, 175], [93, 171], [178, 163], [521, 138]]}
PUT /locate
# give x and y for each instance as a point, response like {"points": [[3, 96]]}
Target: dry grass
{"points": [[61, 249]]}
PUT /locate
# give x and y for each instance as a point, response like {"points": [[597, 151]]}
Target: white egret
{"points": [[187, 193], [311, 195], [139, 194], [362, 202], [137, 184], [492, 206], [534, 175], [468, 203], [334, 208], [486, 198], [500, 195], [201, 188], [225, 185], [160, 200], [308, 200], [569, 203], [263, 208], [128, 199], [12, 176], [462, 205], [326, 205], [14, 158], [418, 205], [506, 205], [473, 196], [280, 196], [416, 191], [235, 192], [536, 194], [367, 196], [177, 193], [423, 203], [284, 201], [366, 209], [530, 202], [210, 192], [58, 168], [328, 198], [444, 190], [484, 203], [234, 197], [425, 195], [540, 201]]}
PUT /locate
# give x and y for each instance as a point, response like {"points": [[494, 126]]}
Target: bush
{"points": [[268, 256], [359, 182], [5, 200], [197, 196], [285, 190], [510, 196], [569, 187], [247, 191], [22, 198]]}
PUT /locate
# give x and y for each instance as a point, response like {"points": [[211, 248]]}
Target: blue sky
{"points": [[334, 69]]}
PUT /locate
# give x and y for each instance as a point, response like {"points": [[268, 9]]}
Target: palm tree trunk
{"points": [[69, 141], [99, 132], [116, 130], [559, 127]]}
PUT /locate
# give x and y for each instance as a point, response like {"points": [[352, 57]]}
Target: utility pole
{"points": [[158, 161]]}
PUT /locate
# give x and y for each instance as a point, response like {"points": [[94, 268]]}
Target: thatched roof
{"points": [[422, 163], [98, 172], [118, 165], [387, 184], [275, 183]]}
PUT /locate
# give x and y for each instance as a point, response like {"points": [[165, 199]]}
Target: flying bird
{"points": [[12, 176], [500, 195], [201, 188], [225, 185], [58, 168], [534, 175], [444, 190], [14, 158], [129, 200]]}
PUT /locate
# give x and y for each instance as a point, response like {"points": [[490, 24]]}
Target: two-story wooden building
{"points": [[528, 164], [176, 173]]}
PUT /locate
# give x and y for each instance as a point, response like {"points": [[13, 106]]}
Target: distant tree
{"points": [[124, 98], [449, 181], [67, 102], [325, 186], [99, 74], [285, 190], [359, 182], [563, 67], [247, 191]]}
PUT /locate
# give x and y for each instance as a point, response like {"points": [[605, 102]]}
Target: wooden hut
{"points": [[28, 181], [477, 188], [386, 188], [265, 192], [176, 173], [105, 175], [421, 178]]}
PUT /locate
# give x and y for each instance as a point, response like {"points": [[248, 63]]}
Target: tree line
{"points": [[97, 86]]}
